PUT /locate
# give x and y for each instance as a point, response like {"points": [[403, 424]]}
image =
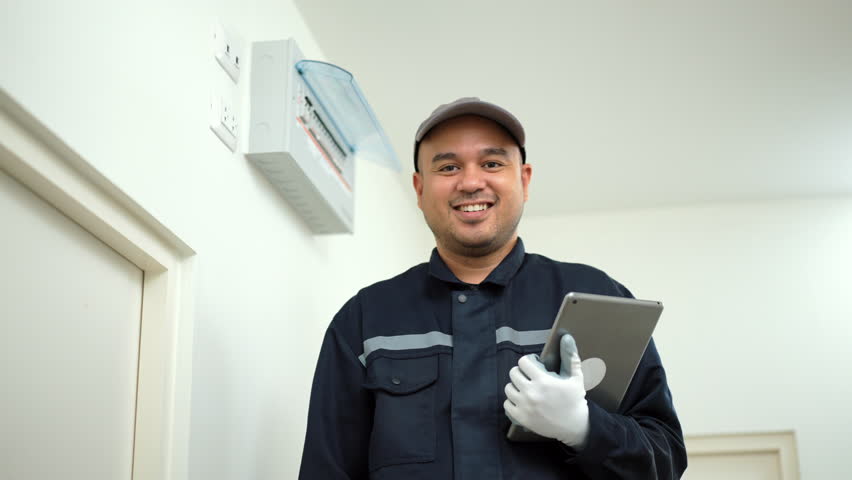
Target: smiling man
{"points": [[472, 191], [417, 374]]}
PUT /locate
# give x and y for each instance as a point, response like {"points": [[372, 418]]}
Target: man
{"points": [[414, 372]]}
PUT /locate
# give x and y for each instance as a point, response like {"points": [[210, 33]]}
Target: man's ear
{"points": [[417, 181], [526, 175]]}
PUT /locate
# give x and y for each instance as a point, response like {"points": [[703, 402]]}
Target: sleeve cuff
{"points": [[600, 442]]}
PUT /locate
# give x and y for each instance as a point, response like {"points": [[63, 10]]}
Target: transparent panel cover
{"points": [[338, 93]]}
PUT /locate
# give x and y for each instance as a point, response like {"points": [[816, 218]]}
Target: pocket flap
{"points": [[402, 375]]}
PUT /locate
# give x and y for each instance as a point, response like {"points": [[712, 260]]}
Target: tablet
{"points": [[611, 334]]}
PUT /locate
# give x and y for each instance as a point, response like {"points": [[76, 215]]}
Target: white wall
{"points": [[126, 85], [758, 320]]}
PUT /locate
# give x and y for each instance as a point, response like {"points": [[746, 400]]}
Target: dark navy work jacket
{"points": [[409, 383]]}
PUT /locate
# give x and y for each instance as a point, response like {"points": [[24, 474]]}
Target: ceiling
{"points": [[626, 105]]}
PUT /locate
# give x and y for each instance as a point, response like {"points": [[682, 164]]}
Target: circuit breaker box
{"points": [[298, 139]]}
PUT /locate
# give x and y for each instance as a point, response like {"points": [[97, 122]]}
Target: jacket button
{"points": [[395, 381], [462, 298]]}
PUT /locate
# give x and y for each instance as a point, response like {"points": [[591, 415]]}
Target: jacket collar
{"points": [[501, 275]]}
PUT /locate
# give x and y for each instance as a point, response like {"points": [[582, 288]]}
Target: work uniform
{"points": [[409, 383]]}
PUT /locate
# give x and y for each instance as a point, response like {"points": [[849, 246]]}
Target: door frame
{"points": [[782, 443], [38, 159]]}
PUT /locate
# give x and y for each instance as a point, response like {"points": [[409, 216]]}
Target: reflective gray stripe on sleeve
{"points": [[404, 342], [528, 337]]}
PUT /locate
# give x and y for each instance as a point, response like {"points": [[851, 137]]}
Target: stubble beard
{"points": [[488, 244]]}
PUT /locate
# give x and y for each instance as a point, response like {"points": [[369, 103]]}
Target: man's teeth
{"points": [[474, 208]]}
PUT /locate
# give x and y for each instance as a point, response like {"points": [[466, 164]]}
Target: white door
{"points": [[742, 456], [70, 310], [734, 466]]}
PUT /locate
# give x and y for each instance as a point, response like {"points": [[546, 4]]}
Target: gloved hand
{"points": [[550, 405]]}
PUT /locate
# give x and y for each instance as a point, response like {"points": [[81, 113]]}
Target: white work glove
{"points": [[551, 405]]}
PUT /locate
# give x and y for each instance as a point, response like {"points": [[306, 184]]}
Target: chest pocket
{"points": [[404, 418]]}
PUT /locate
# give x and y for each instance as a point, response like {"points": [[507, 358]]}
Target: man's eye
{"points": [[492, 164], [448, 168]]}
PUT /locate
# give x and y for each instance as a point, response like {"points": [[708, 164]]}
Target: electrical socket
{"points": [[228, 51], [223, 119]]}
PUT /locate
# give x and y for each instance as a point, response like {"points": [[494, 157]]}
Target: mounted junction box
{"points": [[308, 121]]}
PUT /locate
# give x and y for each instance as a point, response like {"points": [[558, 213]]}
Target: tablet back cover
{"points": [[611, 334]]}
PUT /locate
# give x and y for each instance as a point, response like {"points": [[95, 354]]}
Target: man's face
{"points": [[472, 185]]}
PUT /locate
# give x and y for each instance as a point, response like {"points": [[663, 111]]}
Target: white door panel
{"points": [[735, 466], [742, 456], [70, 310]]}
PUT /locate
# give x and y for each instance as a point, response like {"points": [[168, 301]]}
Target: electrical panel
{"points": [[295, 141]]}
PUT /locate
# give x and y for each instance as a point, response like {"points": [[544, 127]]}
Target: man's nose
{"points": [[472, 180]]}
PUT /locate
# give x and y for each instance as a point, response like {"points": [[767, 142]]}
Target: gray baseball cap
{"points": [[471, 106]]}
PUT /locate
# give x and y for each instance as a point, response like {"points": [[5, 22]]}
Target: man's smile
{"points": [[473, 208], [473, 211]]}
